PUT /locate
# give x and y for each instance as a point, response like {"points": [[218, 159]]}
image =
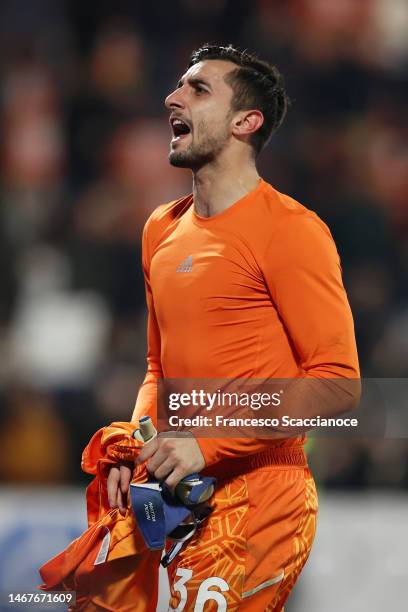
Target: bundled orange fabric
{"points": [[109, 565], [108, 446]]}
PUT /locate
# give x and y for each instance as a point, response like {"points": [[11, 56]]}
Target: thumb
{"points": [[148, 450]]}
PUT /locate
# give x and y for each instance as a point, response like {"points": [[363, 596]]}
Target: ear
{"points": [[247, 122]]}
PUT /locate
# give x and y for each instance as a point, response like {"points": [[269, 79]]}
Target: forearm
{"points": [[302, 399], [146, 402], [308, 397]]}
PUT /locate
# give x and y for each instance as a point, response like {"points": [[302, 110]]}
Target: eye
{"points": [[199, 90]]}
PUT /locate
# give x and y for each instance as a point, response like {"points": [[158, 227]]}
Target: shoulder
{"points": [[288, 218], [163, 219], [166, 214], [287, 212], [295, 232]]}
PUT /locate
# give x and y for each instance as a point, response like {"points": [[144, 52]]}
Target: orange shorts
{"points": [[253, 547]]}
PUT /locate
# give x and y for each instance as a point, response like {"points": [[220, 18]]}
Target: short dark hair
{"points": [[255, 83]]}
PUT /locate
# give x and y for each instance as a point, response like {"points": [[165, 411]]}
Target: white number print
{"points": [[204, 593], [185, 575]]}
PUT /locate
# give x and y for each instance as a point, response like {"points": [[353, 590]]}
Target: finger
{"points": [[125, 478], [121, 501], [174, 478], [148, 450], [158, 459], [112, 486], [164, 469]]}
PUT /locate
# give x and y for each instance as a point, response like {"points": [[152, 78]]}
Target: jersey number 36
{"points": [[204, 593]]}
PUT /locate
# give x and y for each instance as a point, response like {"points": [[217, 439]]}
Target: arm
{"points": [[304, 278], [303, 275], [306, 286], [146, 402], [147, 396], [120, 475]]}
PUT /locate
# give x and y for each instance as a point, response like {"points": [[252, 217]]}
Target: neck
{"points": [[220, 184]]}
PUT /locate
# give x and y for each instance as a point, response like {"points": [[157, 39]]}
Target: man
{"points": [[242, 282]]}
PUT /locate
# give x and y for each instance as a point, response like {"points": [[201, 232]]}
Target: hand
{"points": [[172, 458], [118, 482]]}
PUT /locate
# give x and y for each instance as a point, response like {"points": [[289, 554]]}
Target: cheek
{"points": [[211, 129], [201, 130]]}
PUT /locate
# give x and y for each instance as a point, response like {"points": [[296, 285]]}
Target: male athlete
{"points": [[242, 282]]}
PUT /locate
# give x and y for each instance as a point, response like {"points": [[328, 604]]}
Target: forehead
{"points": [[211, 71]]}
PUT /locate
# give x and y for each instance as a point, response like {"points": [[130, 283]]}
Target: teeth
{"points": [[180, 128], [178, 122]]}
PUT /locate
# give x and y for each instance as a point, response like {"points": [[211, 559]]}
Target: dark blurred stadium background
{"points": [[84, 143]]}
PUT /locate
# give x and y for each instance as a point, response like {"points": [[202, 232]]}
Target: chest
{"points": [[205, 270]]}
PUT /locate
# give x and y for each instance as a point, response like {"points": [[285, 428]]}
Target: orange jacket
{"points": [[108, 566]]}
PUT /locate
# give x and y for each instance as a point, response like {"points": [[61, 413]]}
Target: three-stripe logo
{"points": [[186, 265]]}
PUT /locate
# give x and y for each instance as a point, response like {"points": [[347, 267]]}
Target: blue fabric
{"points": [[156, 514]]}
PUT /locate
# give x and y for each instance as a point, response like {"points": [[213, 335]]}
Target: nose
{"points": [[175, 99]]}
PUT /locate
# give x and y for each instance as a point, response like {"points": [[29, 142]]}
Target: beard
{"points": [[195, 156]]}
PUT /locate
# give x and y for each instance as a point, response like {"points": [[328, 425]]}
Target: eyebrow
{"points": [[194, 81]]}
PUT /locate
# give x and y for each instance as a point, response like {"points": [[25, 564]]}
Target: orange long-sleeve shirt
{"points": [[253, 292]]}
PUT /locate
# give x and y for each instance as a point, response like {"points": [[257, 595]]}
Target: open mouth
{"points": [[179, 127]]}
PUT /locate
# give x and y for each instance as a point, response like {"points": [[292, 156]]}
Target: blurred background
{"points": [[83, 160]]}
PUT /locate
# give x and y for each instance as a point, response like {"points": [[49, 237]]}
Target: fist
{"points": [[171, 456]]}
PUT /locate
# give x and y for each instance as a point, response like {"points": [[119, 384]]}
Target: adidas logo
{"points": [[186, 265]]}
